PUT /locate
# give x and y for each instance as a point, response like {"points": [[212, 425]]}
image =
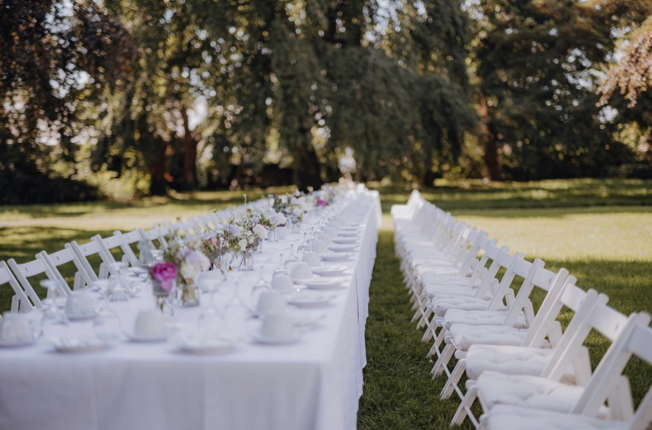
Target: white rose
{"points": [[243, 244], [297, 211], [261, 231], [204, 262], [190, 271], [280, 219]]}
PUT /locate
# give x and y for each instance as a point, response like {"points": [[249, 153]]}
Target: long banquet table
{"points": [[314, 383]]}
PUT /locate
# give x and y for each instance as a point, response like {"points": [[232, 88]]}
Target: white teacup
{"points": [[270, 301], [282, 232], [15, 326], [319, 246], [300, 271], [283, 283], [79, 303], [276, 325], [325, 238], [149, 323], [209, 280], [311, 258]]}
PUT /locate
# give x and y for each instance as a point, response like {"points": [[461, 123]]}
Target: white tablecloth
{"points": [[312, 384]]}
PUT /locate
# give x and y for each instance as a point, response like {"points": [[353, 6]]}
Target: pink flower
{"points": [[165, 273], [321, 202]]}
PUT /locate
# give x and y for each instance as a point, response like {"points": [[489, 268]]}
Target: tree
{"points": [[54, 55], [537, 65]]}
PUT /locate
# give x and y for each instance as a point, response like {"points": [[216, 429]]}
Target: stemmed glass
{"points": [[281, 269], [292, 258], [106, 323], [260, 285], [54, 319], [120, 290], [211, 319], [305, 246]]}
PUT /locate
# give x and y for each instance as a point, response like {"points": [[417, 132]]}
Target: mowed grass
{"points": [[600, 230]]}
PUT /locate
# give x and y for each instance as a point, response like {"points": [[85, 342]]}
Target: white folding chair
{"points": [[549, 393], [24, 271], [607, 385], [20, 301], [67, 255], [87, 250]]}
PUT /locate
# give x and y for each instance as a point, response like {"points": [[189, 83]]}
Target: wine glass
{"points": [[260, 286], [281, 269], [292, 258], [106, 324], [211, 321], [305, 246], [54, 321]]}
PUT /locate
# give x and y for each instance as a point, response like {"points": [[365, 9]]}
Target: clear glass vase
{"points": [[189, 296], [273, 237], [246, 261]]}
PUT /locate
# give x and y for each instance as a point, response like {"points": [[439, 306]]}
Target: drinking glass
{"points": [[54, 321], [106, 324]]}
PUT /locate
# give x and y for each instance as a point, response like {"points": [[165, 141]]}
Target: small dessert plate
{"points": [[348, 234], [305, 300], [78, 345], [147, 338], [15, 343], [335, 256], [342, 248], [276, 340], [345, 240], [197, 346], [329, 270], [322, 283]]}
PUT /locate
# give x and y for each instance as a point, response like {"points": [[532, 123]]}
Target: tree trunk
{"points": [[157, 168], [306, 165], [489, 143], [189, 152]]}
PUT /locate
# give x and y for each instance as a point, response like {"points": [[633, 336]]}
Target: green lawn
{"points": [[600, 230]]}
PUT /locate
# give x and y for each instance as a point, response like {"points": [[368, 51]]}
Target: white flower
{"points": [[194, 242], [190, 271], [243, 244], [280, 218], [297, 211], [261, 231]]}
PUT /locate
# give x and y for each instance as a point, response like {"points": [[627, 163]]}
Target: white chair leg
{"points": [[452, 383], [442, 361], [464, 409]]}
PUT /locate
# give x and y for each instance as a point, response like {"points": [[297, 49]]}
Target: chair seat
{"points": [[440, 305], [510, 360], [456, 316], [463, 336], [517, 418], [529, 391]]}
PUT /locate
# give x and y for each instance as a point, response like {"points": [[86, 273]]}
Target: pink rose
{"points": [[321, 202], [165, 273]]}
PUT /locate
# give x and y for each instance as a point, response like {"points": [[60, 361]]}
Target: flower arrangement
{"points": [[187, 257]]}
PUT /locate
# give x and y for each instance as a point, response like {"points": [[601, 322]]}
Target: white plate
{"points": [[76, 345], [322, 283], [306, 321], [80, 317], [345, 240], [136, 270], [158, 337], [276, 340], [348, 234], [342, 248], [304, 300], [13, 343], [335, 256], [356, 229], [329, 270], [205, 346]]}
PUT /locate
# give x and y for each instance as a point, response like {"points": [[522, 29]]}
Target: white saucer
{"points": [[329, 270], [77, 345], [81, 317], [158, 337], [323, 283], [305, 300], [356, 229], [342, 248], [276, 340], [345, 240], [335, 256], [348, 234], [306, 321], [14, 343], [205, 346]]}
